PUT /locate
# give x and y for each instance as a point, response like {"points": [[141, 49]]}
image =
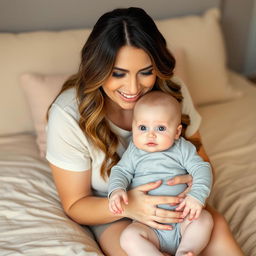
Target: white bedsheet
{"points": [[32, 221]]}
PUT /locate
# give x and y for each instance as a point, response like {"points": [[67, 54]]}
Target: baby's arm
{"points": [[202, 181], [191, 206], [115, 199]]}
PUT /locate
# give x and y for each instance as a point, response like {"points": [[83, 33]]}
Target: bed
{"points": [[32, 221]]}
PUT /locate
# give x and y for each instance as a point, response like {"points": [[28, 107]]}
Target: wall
{"points": [[30, 15], [238, 18], [239, 27]]}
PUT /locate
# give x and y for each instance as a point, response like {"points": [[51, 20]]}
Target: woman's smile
{"points": [[132, 76], [129, 97]]}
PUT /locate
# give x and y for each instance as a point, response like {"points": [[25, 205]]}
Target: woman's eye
{"points": [[161, 128], [147, 73], [118, 74], [142, 128]]}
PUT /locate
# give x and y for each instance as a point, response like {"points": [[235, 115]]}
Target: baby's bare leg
{"points": [[195, 235], [140, 240]]}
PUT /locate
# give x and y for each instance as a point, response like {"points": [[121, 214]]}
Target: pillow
{"points": [[201, 39], [50, 52], [40, 91], [42, 52]]}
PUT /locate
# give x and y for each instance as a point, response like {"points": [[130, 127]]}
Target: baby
{"points": [[157, 152]]}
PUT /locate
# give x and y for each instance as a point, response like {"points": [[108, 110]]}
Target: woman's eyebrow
{"points": [[125, 70]]}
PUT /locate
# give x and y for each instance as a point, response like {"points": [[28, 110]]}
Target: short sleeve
{"points": [[67, 147], [188, 108]]}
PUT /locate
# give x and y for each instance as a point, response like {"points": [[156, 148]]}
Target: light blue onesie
{"points": [[138, 167]]}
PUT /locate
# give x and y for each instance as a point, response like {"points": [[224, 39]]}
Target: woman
{"points": [[89, 128]]}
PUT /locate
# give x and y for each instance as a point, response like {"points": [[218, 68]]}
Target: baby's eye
{"points": [[160, 128], [142, 128]]}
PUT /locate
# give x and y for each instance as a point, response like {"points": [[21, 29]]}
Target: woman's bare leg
{"points": [[222, 241], [110, 239]]}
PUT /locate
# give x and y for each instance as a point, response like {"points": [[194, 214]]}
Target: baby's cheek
{"points": [[166, 142], [138, 140]]}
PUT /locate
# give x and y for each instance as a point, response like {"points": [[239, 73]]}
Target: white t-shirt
{"points": [[69, 149]]}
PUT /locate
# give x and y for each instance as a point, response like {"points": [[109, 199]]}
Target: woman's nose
{"points": [[133, 85]]}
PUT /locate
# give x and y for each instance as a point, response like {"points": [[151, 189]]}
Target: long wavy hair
{"points": [[115, 29]]}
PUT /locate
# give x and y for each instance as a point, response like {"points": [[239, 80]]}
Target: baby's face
{"points": [[154, 129]]}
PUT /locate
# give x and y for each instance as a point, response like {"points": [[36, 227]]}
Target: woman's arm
{"points": [[74, 189], [201, 151], [187, 178], [75, 193]]}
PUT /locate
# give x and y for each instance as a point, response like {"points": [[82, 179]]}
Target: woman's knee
{"points": [[219, 221], [110, 239]]}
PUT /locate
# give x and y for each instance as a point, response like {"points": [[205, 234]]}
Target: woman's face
{"points": [[133, 75]]}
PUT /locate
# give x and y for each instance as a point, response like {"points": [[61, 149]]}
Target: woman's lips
{"points": [[129, 97]]}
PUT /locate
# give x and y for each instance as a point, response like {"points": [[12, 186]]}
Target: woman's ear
{"points": [[178, 131]]}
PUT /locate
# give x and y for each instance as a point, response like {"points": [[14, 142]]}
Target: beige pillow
{"points": [[42, 52], [40, 91], [52, 52], [201, 39]]}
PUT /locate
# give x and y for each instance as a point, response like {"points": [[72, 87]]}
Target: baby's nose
{"points": [[151, 134]]}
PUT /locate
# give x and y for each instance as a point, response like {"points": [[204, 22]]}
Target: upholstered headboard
{"points": [[240, 33]]}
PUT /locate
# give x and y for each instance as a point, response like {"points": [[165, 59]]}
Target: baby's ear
{"points": [[178, 131]]}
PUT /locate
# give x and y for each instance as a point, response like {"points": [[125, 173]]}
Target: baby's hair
{"points": [[159, 98]]}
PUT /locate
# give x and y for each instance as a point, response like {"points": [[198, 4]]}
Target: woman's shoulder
{"points": [[67, 102], [66, 98], [177, 80], [188, 107]]}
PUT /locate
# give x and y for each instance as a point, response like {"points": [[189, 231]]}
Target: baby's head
{"points": [[156, 121]]}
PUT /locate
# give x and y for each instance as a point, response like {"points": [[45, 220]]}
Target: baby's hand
{"points": [[190, 206], [115, 200]]}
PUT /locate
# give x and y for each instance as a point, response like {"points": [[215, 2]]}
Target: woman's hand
{"points": [[182, 179], [143, 207]]}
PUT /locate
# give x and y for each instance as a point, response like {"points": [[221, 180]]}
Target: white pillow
{"points": [[202, 40], [40, 91]]}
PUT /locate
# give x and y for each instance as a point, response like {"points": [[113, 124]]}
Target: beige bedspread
{"points": [[32, 221], [229, 136]]}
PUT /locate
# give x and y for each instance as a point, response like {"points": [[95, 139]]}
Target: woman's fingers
{"points": [[155, 200], [184, 193], [143, 207], [166, 216], [181, 179], [156, 225], [166, 220], [149, 186]]}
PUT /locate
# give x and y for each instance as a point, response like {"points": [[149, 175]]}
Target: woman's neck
{"points": [[120, 117]]}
